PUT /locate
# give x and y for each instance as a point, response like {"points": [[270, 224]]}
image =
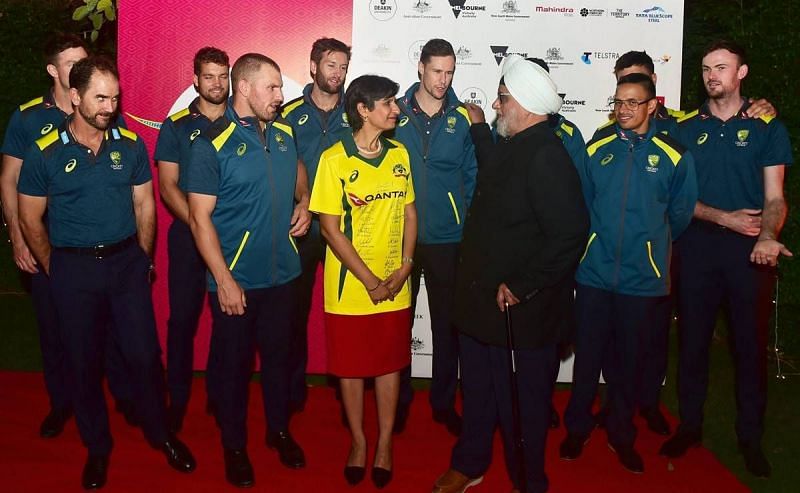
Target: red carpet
{"points": [[31, 464]]}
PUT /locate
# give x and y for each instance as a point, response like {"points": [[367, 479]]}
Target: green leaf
{"points": [[92, 4], [80, 13], [94, 35], [104, 4], [110, 13], [97, 20]]}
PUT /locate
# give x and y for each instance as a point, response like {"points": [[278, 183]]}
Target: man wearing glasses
{"points": [[640, 188]]}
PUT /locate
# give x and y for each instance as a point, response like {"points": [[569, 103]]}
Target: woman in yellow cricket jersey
{"points": [[364, 196]]}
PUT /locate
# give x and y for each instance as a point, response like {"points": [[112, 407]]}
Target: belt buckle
{"points": [[98, 251]]}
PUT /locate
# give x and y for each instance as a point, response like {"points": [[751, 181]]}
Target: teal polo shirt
{"points": [[252, 174], [730, 155], [176, 136], [89, 197]]}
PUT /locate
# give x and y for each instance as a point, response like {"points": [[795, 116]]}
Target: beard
{"points": [[502, 127], [97, 120], [212, 98], [323, 84]]}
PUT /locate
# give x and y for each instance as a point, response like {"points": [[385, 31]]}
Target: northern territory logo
{"points": [[500, 52], [469, 11], [382, 10], [654, 14], [586, 12]]}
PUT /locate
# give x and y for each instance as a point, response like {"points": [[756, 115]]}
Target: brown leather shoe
{"points": [[454, 482]]}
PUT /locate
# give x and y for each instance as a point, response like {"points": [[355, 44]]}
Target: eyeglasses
{"points": [[502, 96], [630, 104]]}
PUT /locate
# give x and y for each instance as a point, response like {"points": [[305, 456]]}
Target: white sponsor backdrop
{"points": [[579, 40]]}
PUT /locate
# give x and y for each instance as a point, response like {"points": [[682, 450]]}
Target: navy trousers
{"points": [[716, 271], [265, 326], [439, 264], [187, 288], [53, 359], [624, 327], [312, 251], [486, 387], [89, 293]]}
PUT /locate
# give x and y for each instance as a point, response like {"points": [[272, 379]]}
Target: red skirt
{"points": [[368, 345]]}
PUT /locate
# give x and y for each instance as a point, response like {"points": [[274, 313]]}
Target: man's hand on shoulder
{"points": [[475, 113]]}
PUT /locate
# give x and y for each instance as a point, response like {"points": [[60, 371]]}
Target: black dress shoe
{"points": [[238, 470], [178, 455], [680, 443], [126, 407], [53, 423], [175, 416], [572, 446], [629, 458], [755, 461], [656, 421], [450, 419], [381, 477], [289, 451], [94, 472], [555, 420], [354, 474], [601, 417], [400, 419]]}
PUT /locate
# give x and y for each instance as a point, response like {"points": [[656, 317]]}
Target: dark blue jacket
{"points": [[641, 192], [443, 166]]}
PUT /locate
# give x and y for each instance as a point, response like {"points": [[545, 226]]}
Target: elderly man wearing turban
{"points": [[523, 235]]}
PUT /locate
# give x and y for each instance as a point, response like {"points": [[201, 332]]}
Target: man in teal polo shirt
{"points": [[248, 198], [94, 179], [29, 122], [319, 121], [729, 252], [187, 271]]}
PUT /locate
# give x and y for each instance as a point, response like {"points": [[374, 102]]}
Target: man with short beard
{"points": [[186, 268], [434, 128], [319, 121], [94, 179], [29, 122], [729, 252], [248, 199]]}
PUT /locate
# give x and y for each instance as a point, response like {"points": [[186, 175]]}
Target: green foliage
{"points": [[97, 12], [768, 31]]}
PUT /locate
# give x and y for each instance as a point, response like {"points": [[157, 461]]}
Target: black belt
{"points": [[100, 251], [709, 226]]}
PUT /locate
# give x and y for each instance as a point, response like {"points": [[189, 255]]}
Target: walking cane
{"points": [[519, 441]]}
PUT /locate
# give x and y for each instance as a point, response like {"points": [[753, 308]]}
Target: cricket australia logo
{"points": [[741, 137], [46, 129], [281, 142], [652, 161], [400, 170], [451, 125], [116, 160]]}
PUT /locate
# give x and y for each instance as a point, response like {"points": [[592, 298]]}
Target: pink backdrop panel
{"points": [[157, 41]]}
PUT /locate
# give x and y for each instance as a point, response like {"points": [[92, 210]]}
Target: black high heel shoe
{"points": [[354, 474], [381, 477]]}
